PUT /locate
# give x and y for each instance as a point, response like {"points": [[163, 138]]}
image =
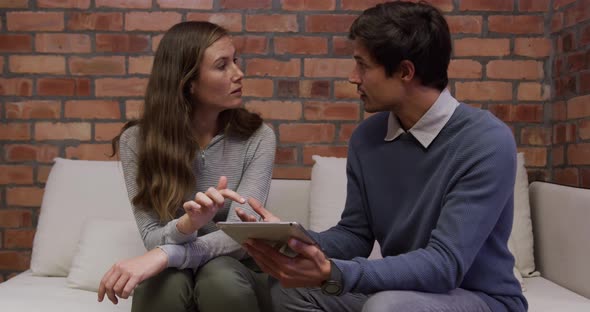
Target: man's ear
{"points": [[407, 70]]}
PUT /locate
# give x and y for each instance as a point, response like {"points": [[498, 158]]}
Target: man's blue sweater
{"points": [[441, 214]]}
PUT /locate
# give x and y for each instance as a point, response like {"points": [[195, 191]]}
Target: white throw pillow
{"points": [[103, 243], [521, 237], [327, 195], [76, 190]]}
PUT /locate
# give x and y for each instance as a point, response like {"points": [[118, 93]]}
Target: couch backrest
{"points": [[289, 200]]}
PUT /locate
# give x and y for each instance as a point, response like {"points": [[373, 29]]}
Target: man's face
{"points": [[378, 92]]}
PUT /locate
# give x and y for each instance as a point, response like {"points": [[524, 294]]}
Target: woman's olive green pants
{"points": [[222, 284]]}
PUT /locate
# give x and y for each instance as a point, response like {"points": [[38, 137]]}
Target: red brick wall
{"points": [[74, 71], [570, 33]]}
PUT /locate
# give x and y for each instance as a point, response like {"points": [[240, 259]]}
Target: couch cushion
{"points": [[546, 296], [289, 199], [76, 190], [103, 242], [26, 292]]}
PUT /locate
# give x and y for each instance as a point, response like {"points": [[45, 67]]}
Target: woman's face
{"points": [[219, 85]]}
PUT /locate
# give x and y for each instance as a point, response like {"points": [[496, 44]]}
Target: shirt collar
{"points": [[430, 124]]}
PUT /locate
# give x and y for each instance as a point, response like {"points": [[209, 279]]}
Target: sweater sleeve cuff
{"points": [[174, 236], [352, 273], [176, 254]]}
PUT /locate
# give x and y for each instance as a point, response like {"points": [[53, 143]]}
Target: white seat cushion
{"points": [[26, 292], [546, 296]]}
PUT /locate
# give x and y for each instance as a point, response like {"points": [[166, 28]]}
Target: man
{"points": [[429, 178]]}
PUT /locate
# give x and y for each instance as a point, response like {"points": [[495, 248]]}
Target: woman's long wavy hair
{"points": [[167, 144]]}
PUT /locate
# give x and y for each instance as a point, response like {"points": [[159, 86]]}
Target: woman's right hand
{"points": [[120, 280], [265, 215], [203, 208]]}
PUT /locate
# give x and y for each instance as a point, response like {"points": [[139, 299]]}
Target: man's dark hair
{"points": [[397, 31]]}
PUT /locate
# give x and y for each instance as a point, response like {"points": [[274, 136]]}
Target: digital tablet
{"points": [[275, 233]]}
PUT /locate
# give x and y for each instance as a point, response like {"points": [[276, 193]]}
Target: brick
{"points": [[158, 21], [509, 69], [341, 46], [523, 24], [141, 64], [102, 21], [74, 4], [360, 5], [15, 260], [35, 21], [532, 47], [156, 42], [300, 45], [465, 24], [62, 43], [564, 133], [16, 86], [331, 111], [584, 178], [288, 88], [14, 4], [328, 67], [314, 88], [558, 4], [16, 174], [62, 131], [63, 87], [483, 91], [308, 5], [533, 5], [15, 218], [578, 107], [18, 238], [566, 176], [306, 133], [92, 109], [133, 109], [556, 22], [585, 82], [578, 13], [107, 131], [566, 42], [272, 23], [43, 173], [257, 87], [331, 23], [101, 65], [229, 21], [323, 150], [24, 196], [300, 173], [186, 4], [534, 156], [41, 153], [577, 61], [558, 111], [122, 43], [124, 4], [481, 47], [584, 129], [345, 90], [578, 154], [120, 87], [15, 131], [272, 67], [535, 136], [459, 68], [89, 152], [276, 110], [16, 43], [250, 44], [345, 132], [565, 86], [33, 110], [246, 4], [486, 5], [37, 64], [557, 155], [286, 156], [585, 36], [533, 91]]}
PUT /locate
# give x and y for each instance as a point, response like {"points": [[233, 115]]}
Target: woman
{"points": [[192, 135]]}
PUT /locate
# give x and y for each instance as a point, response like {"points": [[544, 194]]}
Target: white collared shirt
{"points": [[430, 124]]}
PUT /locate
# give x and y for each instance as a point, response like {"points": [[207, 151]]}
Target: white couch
{"points": [[559, 216]]}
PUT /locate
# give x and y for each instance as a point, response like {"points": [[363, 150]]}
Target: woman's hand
{"points": [[257, 206], [125, 275], [203, 208]]}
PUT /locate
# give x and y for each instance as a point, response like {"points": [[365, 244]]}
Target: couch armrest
{"points": [[561, 227]]}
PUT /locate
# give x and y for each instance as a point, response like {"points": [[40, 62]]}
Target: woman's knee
{"points": [[171, 289]]}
